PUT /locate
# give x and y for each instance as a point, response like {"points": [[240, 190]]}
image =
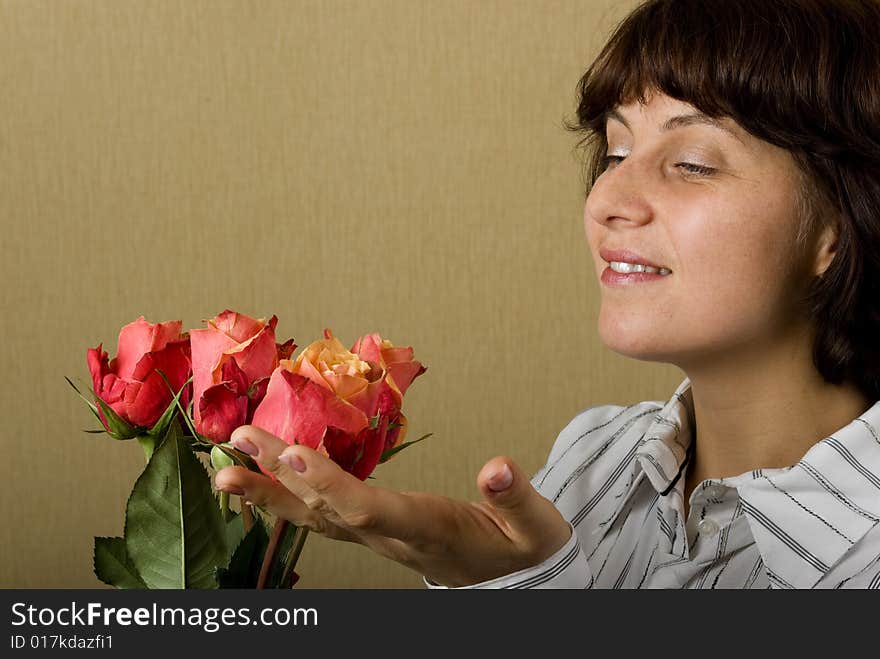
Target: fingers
{"points": [[275, 498], [326, 489], [524, 514]]}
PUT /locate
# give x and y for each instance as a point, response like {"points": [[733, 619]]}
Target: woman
{"points": [[733, 216]]}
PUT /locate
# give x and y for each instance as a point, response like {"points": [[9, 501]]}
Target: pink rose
{"points": [[232, 360], [345, 405], [130, 383]]}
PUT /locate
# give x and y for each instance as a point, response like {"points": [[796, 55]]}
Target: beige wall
{"points": [[366, 166]]}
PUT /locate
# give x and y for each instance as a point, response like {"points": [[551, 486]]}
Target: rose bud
{"points": [[130, 384]]}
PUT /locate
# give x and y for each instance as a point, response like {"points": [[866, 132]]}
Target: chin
{"points": [[636, 339]]}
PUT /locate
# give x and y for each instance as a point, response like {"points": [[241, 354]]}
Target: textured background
{"points": [[390, 166]]}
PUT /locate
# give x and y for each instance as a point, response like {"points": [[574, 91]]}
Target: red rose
{"points": [[337, 402], [232, 360], [130, 383]]}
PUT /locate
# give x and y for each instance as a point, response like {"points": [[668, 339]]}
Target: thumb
{"points": [[526, 512]]}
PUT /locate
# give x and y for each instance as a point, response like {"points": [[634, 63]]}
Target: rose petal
{"points": [[98, 366], [378, 397], [221, 411], [305, 368], [207, 347], [368, 348], [297, 409], [145, 402], [258, 356], [238, 327], [357, 454], [140, 337], [345, 386], [403, 373], [285, 350], [256, 394], [232, 376]]}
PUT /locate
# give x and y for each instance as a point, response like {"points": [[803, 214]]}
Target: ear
{"points": [[826, 248]]}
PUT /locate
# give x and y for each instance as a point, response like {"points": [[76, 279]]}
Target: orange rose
{"points": [[344, 404]]}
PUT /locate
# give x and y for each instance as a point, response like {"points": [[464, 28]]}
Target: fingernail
{"points": [[293, 461], [245, 446], [232, 489], [501, 479]]}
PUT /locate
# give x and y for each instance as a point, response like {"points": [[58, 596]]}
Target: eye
{"points": [[691, 168], [608, 160], [695, 169]]}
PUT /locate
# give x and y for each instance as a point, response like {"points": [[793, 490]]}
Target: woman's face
{"points": [[716, 208]]}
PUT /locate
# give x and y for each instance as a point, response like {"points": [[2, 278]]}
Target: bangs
{"points": [[767, 65]]}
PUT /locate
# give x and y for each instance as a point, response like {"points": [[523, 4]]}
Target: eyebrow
{"points": [[681, 120]]}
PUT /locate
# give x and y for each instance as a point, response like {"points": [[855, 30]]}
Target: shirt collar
{"points": [[666, 449], [804, 518]]}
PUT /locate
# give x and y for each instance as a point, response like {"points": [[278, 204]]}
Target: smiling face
{"points": [[716, 207]]}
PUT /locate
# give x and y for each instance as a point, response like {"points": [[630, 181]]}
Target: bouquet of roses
{"points": [[183, 393]]}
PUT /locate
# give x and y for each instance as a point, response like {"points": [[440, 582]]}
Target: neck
{"points": [[763, 407]]}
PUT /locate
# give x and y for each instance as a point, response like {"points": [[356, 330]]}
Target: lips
{"points": [[628, 256]]}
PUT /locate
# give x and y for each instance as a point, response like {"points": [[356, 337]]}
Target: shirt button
{"points": [[716, 491], [708, 527]]}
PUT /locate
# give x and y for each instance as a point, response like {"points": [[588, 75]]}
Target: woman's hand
{"points": [[452, 543]]}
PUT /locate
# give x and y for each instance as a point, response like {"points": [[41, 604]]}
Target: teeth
{"points": [[627, 268]]}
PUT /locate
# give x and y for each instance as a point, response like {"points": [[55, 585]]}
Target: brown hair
{"points": [[803, 75]]}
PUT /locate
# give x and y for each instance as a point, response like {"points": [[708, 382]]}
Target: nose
{"points": [[618, 197]]}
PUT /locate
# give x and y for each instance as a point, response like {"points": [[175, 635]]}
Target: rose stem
{"points": [[296, 550], [224, 505], [271, 551], [247, 516]]}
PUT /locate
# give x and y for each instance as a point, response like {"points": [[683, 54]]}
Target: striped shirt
{"points": [[617, 475]]}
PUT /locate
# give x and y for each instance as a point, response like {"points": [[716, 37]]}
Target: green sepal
{"points": [[199, 440], [161, 425], [374, 421], [174, 533], [388, 454], [113, 565], [148, 444], [91, 405], [119, 427]]}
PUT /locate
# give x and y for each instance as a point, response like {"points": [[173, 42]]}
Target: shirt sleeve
{"points": [[567, 568]]}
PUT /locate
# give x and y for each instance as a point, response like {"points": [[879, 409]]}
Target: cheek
{"points": [[734, 282]]}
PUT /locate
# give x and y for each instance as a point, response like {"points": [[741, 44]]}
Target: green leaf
{"points": [[386, 455], [95, 432], [234, 534], [173, 529], [247, 559], [113, 566]]}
